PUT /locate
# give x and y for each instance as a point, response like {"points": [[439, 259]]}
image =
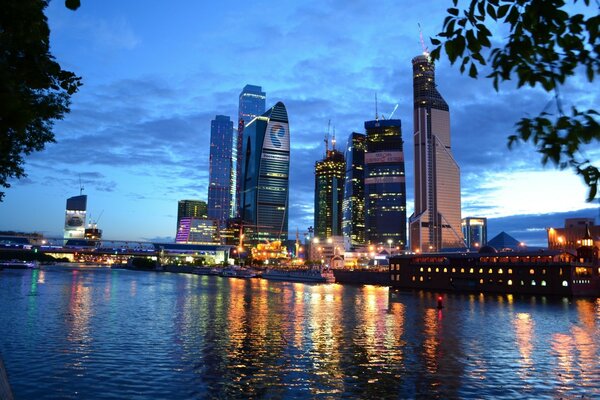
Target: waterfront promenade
{"points": [[79, 332]]}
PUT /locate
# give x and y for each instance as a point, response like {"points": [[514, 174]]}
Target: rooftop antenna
{"points": [[327, 138], [80, 186], [333, 139], [425, 49], [376, 115]]}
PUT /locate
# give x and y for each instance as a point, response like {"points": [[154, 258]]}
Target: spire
{"points": [[376, 114], [333, 139]]}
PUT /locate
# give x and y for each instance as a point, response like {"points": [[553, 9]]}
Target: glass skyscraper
{"points": [[475, 232], [385, 184], [220, 169], [436, 222], [265, 175], [191, 209], [353, 206], [251, 104], [329, 194]]}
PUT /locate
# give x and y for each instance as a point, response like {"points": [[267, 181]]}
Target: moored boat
{"points": [[18, 264], [300, 275]]}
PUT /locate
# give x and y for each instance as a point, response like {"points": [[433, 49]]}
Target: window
{"points": [[510, 271], [532, 271], [420, 279], [428, 269], [481, 281], [533, 283], [490, 271], [445, 269], [414, 278], [462, 270], [437, 270], [421, 269], [481, 270], [543, 283], [510, 282], [565, 283], [500, 271], [453, 269]]}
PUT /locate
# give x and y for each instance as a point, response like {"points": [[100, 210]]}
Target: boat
{"points": [[300, 275], [18, 264]]}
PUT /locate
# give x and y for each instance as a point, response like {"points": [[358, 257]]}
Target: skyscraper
{"points": [[436, 222], [251, 105], [385, 183], [329, 194], [75, 217], [353, 206], [474, 231], [191, 209], [265, 175], [220, 168]]}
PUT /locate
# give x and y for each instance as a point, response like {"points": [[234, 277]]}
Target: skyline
{"points": [[150, 89]]}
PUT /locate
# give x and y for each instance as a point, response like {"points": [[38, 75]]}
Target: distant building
{"points": [[198, 231], [569, 237], [385, 183], [474, 230], [265, 175], [191, 209], [252, 102], [75, 217], [436, 221], [328, 251], [329, 194], [220, 169], [503, 241], [353, 205]]}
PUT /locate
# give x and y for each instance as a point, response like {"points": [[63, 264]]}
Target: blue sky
{"points": [[155, 75]]}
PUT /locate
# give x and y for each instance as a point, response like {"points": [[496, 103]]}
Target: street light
{"points": [[390, 241]]}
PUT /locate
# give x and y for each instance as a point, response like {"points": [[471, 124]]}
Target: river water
{"points": [[96, 333]]}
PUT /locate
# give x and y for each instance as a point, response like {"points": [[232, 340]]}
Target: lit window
{"points": [[490, 271], [414, 278], [471, 270], [428, 269], [532, 283], [565, 283], [509, 282], [543, 283], [500, 271], [445, 269], [462, 270], [453, 269], [420, 279], [481, 281], [510, 271], [481, 270], [437, 270], [531, 271]]}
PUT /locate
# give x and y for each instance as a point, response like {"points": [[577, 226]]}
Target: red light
{"points": [[440, 298]]}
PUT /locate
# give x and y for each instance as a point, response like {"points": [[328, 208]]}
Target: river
{"points": [[69, 332]]}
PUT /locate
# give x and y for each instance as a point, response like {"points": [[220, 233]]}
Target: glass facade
{"points": [[220, 168], [197, 231], [329, 194], [251, 104], [385, 184], [436, 222], [191, 209], [353, 206], [75, 216], [264, 175], [475, 232]]}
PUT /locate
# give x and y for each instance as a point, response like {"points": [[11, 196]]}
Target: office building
{"points": [[75, 217], [385, 184], [220, 169], [436, 222], [569, 237], [329, 193], [191, 209], [252, 103], [265, 175], [474, 230], [353, 205], [198, 231]]}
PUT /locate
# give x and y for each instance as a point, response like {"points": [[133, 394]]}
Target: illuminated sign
{"points": [[384, 157]]}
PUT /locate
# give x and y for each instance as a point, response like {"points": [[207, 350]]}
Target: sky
{"points": [[154, 76]]}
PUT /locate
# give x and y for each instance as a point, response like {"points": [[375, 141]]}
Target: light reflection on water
{"points": [[101, 333]]}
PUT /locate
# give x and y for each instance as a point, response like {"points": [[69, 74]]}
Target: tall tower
{"points": [[385, 184], [75, 217], [251, 105], [220, 168], [353, 206], [436, 222], [265, 175], [329, 193]]}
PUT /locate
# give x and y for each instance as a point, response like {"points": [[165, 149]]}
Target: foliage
{"points": [[547, 43], [34, 89]]}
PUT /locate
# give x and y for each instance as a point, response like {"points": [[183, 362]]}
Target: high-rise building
{"points": [[251, 105], [220, 169], [353, 206], [75, 217], [191, 209], [329, 194], [265, 175], [474, 230], [385, 184], [436, 222], [198, 231]]}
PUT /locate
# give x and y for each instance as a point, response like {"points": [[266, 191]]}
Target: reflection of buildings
{"points": [[329, 194], [251, 105], [435, 224], [75, 217], [385, 185], [569, 237], [265, 169], [353, 207], [475, 231], [220, 169], [198, 231]]}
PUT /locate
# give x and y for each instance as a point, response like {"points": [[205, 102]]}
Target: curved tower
{"points": [[265, 175], [436, 222]]}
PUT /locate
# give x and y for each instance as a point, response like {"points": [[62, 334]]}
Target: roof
{"points": [[504, 241]]}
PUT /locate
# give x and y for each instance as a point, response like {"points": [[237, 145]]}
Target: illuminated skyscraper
{"points": [[385, 184], [220, 168], [475, 232], [329, 194], [264, 175], [436, 222], [191, 209], [251, 105], [75, 217], [353, 207]]}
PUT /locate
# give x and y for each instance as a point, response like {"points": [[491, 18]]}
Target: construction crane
{"points": [[391, 114], [425, 49]]}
